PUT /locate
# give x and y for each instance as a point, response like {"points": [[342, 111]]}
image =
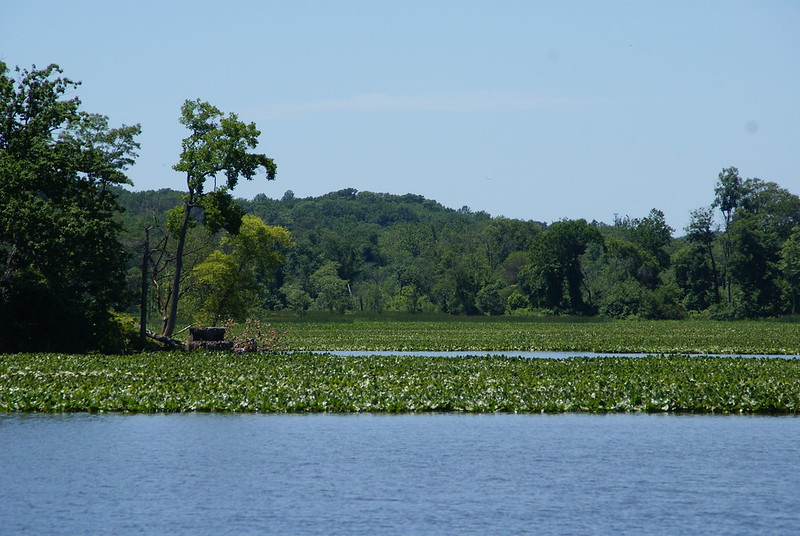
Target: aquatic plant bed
{"points": [[304, 382], [618, 336]]}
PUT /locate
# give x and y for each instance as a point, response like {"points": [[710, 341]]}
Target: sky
{"points": [[537, 110]]}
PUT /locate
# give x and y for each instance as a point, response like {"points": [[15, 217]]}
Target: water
{"points": [[548, 354], [398, 474]]}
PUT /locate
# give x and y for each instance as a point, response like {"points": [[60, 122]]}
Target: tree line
{"points": [[363, 251], [77, 248]]}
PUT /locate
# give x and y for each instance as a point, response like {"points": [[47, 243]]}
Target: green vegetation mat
{"points": [[658, 337], [305, 382]]}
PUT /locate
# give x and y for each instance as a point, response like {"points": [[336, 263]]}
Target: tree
{"points": [[216, 145], [330, 289], [619, 273], [754, 267], [694, 276], [297, 298], [554, 279], [61, 261], [231, 283], [653, 235], [729, 193], [761, 221], [489, 300], [790, 266], [703, 231]]}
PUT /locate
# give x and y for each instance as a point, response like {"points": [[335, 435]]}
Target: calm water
{"points": [[548, 354], [406, 474]]}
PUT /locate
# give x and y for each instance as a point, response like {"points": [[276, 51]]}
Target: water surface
{"points": [[546, 354], [399, 474]]}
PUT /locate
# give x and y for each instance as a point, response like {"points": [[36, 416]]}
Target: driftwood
{"points": [[172, 343], [203, 339]]}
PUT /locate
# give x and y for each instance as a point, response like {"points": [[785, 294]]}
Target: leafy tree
{"points": [[618, 274], [297, 298], [761, 222], [216, 145], [653, 235], [489, 299], [753, 266], [61, 261], [790, 266], [231, 283], [694, 276], [729, 193], [554, 279], [330, 289], [703, 231]]}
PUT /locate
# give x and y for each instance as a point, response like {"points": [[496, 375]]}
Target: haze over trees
{"points": [[69, 256]]}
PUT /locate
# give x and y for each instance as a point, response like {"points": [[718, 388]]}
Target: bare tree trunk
{"points": [[143, 298], [714, 273], [170, 342], [169, 325]]}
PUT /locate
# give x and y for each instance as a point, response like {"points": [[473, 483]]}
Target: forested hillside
{"points": [[364, 251], [76, 247]]}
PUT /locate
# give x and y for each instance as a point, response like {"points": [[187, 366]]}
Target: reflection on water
{"points": [[399, 474]]}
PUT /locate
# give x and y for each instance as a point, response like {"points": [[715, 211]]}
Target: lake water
{"points": [[425, 474], [548, 354]]}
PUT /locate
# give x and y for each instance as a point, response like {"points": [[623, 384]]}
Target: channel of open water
{"points": [[425, 474], [548, 354]]}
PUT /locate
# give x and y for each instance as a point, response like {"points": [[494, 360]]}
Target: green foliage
{"points": [[297, 299], [790, 266], [331, 291], [553, 278], [216, 145], [61, 260], [298, 382], [694, 276], [230, 285], [121, 335], [653, 235], [407, 254], [490, 301], [574, 334]]}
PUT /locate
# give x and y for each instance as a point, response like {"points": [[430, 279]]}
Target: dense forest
{"points": [[78, 248], [364, 251]]}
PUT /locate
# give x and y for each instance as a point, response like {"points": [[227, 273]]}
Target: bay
{"points": [[398, 474]]}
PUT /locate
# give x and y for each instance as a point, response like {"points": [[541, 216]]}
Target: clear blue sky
{"points": [[537, 110]]}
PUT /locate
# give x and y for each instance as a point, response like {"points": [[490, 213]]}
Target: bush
{"points": [[120, 335]]}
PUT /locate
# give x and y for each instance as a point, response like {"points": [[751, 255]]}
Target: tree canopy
{"points": [[216, 145], [61, 260]]}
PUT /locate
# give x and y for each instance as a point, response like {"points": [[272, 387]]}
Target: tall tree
{"points": [[216, 145], [790, 266], [729, 193], [703, 231], [653, 235], [754, 267], [61, 261]]}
